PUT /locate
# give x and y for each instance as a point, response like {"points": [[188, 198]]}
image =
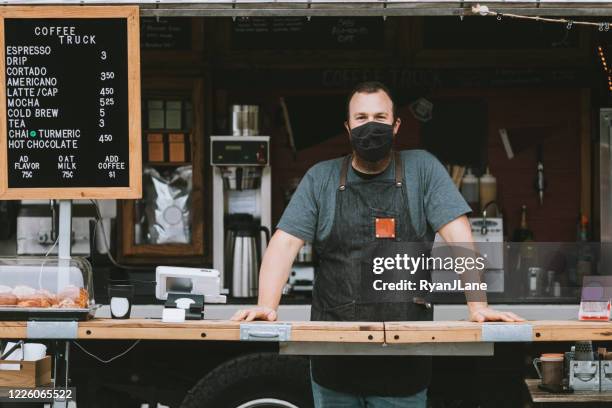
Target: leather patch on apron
{"points": [[385, 227]]}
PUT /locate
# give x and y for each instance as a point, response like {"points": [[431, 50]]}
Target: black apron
{"points": [[343, 277]]}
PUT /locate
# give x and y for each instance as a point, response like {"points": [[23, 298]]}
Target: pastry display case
{"points": [[45, 288]]}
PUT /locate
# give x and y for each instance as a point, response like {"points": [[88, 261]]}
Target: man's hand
{"points": [[459, 232], [275, 268], [255, 313], [486, 314]]}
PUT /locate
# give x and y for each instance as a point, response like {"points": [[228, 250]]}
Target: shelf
{"points": [[577, 397]]}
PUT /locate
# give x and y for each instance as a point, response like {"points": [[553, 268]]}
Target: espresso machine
{"points": [[242, 210]]}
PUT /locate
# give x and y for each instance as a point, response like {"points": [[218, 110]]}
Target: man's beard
{"points": [[369, 167]]}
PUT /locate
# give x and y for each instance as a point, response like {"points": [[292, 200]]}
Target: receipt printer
{"points": [[186, 290]]}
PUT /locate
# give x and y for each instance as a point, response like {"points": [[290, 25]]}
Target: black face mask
{"points": [[372, 141]]}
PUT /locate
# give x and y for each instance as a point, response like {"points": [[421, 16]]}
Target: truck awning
{"points": [[307, 8]]}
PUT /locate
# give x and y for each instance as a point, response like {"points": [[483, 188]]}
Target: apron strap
{"points": [[399, 168], [344, 171]]}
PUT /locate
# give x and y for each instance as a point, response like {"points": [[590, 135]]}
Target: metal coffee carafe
{"points": [[243, 254]]}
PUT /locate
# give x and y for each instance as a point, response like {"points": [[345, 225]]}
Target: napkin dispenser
{"points": [[187, 289]]}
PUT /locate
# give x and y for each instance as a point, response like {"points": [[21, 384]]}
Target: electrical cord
{"points": [[484, 11], [42, 265], [52, 246], [107, 246], [123, 353]]}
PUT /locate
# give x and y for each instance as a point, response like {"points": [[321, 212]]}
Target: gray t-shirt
{"points": [[433, 199]]}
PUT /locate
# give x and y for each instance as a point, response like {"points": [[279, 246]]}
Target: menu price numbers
{"points": [[107, 101], [106, 76], [105, 138]]}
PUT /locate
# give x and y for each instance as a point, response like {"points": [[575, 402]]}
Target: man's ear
{"points": [[396, 125], [347, 127]]}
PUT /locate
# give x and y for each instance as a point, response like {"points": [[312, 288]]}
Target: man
{"points": [[351, 209]]}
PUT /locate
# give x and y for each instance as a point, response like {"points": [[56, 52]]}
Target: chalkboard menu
{"points": [[172, 33], [297, 33], [67, 107]]}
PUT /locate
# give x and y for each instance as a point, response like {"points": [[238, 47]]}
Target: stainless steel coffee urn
{"points": [[243, 253]]}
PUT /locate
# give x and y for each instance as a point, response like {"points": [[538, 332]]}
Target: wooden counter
{"points": [[155, 329], [462, 331], [342, 332]]}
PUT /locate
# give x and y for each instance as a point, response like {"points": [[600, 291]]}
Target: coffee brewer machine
{"points": [[242, 210]]}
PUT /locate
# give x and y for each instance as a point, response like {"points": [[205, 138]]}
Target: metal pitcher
{"points": [[243, 257]]}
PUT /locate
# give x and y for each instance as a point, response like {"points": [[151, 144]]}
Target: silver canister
{"points": [[253, 120], [245, 120], [237, 120]]}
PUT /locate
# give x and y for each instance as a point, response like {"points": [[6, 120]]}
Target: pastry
{"points": [[68, 303], [24, 292], [83, 299], [31, 303], [30, 297], [8, 299], [71, 296], [48, 297], [69, 292]]}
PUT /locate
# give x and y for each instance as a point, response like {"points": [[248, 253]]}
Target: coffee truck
{"points": [[148, 148]]}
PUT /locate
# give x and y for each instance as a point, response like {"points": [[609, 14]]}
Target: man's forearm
{"points": [[458, 236], [275, 268], [473, 306]]}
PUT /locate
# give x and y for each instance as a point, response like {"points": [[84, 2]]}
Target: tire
{"points": [[260, 380]]}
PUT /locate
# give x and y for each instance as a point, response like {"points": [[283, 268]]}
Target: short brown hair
{"points": [[369, 87]]}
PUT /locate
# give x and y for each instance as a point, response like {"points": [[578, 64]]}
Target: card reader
{"points": [[187, 289]]}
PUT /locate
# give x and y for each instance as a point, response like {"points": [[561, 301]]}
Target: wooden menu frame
{"points": [[134, 190]]}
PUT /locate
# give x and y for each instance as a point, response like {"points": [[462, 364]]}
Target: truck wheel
{"points": [[259, 380]]}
